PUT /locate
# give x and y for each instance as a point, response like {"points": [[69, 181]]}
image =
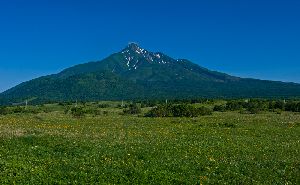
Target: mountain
{"points": [[135, 73]]}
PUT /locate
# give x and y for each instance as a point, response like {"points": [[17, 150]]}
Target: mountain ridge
{"points": [[136, 73]]}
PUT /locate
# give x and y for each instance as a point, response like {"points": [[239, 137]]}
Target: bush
{"points": [[278, 111], [234, 105], [160, 111], [203, 111], [181, 110], [65, 103], [18, 110], [253, 110], [292, 106], [33, 110], [256, 106], [77, 112], [253, 106], [93, 111], [279, 105], [220, 108], [103, 105], [184, 111], [133, 109], [4, 111]]}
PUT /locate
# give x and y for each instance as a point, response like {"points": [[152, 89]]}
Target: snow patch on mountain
{"points": [[134, 56]]}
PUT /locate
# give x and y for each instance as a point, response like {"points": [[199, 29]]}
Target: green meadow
{"points": [[53, 147]]}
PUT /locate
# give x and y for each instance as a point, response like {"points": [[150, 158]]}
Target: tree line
{"points": [[160, 108], [258, 105]]}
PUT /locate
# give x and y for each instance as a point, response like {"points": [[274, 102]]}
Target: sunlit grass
{"points": [[225, 148]]}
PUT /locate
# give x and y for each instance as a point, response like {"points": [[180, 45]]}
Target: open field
{"points": [[224, 148]]}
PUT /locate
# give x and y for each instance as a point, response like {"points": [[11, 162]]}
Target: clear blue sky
{"points": [[248, 38]]}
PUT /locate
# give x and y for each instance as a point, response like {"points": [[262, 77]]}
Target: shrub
{"points": [[278, 111], [279, 105], [219, 108], [255, 106], [160, 111], [253, 110], [184, 110], [93, 111], [150, 103], [4, 111], [103, 105], [67, 110], [133, 109], [181, 110], [33, 110], [77, 112], [203, 111], [292, 106], [18, 110], [234, 105]]}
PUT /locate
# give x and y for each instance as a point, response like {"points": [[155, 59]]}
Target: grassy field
{"points": [[224, 148]]}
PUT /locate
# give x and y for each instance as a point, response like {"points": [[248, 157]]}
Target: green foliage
{"points": [[103, 105], [278, 111], [77, 112], [292, 106], [92, 111], [160, 111], [219, 108], [235, 105], [204, 111], [180, 110], [277, 105], [3, 111], [18, 109], [133, 109], [255, 106]]}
